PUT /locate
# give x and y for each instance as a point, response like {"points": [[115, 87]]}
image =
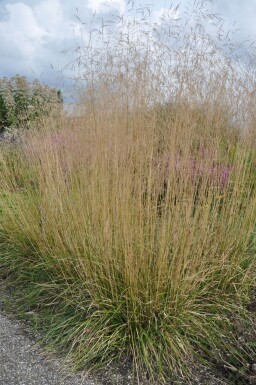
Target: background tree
{"points": [[23, 103]]}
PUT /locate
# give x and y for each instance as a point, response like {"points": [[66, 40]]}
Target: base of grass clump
{"points": [[214, 337]]}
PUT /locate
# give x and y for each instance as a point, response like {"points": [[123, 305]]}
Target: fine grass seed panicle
{"points": [[131, 222]]}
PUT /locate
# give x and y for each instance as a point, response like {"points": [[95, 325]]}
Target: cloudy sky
{"points": [[33, 33]]}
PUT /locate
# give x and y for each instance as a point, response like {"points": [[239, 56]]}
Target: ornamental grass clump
{"points": [[131, 223]]}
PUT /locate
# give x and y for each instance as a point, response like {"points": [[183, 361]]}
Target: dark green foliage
{"points": [[60, 97]]}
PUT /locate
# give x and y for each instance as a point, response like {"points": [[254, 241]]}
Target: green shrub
{"points": [[23, 104]]}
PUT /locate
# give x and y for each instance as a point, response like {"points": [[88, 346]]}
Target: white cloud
{"points": [[20, 30], [49, 15], [106, 5], [32, 36]]}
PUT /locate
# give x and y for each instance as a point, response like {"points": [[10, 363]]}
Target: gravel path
{"points": [[23, 363]]}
